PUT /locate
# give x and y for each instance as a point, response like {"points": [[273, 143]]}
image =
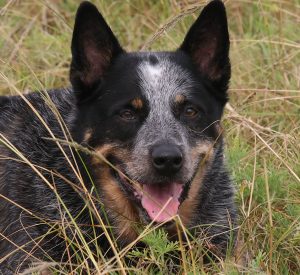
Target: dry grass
{"points": [[262, 121]]}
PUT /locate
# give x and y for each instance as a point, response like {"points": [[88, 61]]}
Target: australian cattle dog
{"points": [[135, 140]]}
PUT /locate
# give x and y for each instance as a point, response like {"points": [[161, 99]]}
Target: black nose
{"points": [[166, 159]]}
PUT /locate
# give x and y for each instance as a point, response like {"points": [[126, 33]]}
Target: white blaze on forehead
{"points": [[162, 80], [154, 71]]}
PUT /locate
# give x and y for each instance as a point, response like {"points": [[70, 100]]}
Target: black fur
{"points": [[104, 78]]}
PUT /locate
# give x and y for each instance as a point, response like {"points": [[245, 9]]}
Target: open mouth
{"points": [[160, 201]]}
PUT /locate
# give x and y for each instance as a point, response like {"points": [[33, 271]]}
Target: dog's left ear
{"points": [[94, 48], [207, 42]]}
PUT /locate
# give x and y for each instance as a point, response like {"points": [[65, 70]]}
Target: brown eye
{"points": [[127, 114], [190, 112]]}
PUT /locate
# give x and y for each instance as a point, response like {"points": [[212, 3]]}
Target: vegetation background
{"points": [[262, 121]]}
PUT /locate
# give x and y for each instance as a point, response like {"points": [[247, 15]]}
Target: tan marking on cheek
{"points": [[102, 152], [105, 149], [122, 211], [87, 135], [137, 103], [205, 149], [179, 99], [125, 215], [186, 210]]}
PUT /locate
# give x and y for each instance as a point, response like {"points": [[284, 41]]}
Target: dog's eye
{"points": [[127, 114], [190, 112]]}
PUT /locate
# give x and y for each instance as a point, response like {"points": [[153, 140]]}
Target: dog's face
{"points": [[155, 116]]}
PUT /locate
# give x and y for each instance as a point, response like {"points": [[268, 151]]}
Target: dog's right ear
{"points": [[94, 47], [207, 43]]}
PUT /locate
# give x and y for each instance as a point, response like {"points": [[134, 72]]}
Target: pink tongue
{"points": [[158, 197]]}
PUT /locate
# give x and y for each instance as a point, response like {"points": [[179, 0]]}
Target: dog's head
{"points": [[154, 115]]}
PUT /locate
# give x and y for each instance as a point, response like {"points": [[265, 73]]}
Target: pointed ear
{"points": [[207, 42], [94, 47]]}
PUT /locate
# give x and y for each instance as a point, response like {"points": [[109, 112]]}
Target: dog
{"points": [[136, 140]]}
